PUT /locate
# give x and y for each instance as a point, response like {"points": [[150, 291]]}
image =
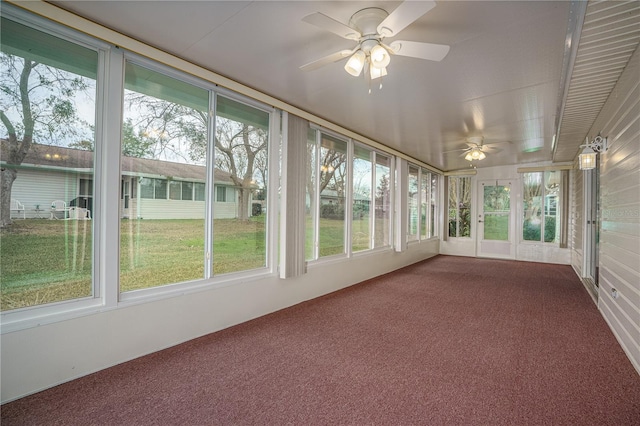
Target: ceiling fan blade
{"points": [[402, 16], [321, 20], [334, 57], [416, 49], [455, 150]]}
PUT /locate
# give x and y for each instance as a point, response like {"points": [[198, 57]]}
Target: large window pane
{"points": [[382, 223], [164, 140], [46, 260], [459, 206], [425, 195], [433, 206], [333, 185], [413, 201], [310, 196], [541, 197], [362, 177], [242, 139]]}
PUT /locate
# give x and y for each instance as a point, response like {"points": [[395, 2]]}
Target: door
{"points": [[495, 220]]}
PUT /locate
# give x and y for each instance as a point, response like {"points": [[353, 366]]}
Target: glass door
{"points": [[495, 230]]}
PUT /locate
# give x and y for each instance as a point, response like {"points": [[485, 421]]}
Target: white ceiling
{"points": [[501, 78]]}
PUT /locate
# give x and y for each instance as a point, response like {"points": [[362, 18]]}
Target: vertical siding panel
{"points": [[619, 265]]}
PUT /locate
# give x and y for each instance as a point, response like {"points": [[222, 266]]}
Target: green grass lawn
{"points": [[46, 261]]}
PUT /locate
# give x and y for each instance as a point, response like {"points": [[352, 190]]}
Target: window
{"points": [[371, 199], [382, 200], [187, 190], [425, 190], [311, 210], [45, 261], [198, 191], [153, 189], [433, 206], [540, 199], [414, 205], [327, 155], [175, 190], [362, 177], [164, 138], [242, 142], [459, 206], [221, 194]]}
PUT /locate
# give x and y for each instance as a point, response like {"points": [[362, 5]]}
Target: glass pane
{"points": [[413, 196], [434, 205], [382, 222], [46, 260], [164, 140], [453, 206], [175, 190], [464, 221], [362, 175], [333, 184], [552, 186], [310, 198], [425, 188], [242, 139], [496, 227], [496, 204], [187, 190], [532, 206]]}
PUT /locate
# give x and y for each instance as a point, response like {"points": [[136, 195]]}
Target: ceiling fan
{"points": [[368, 28], [476, 148]]}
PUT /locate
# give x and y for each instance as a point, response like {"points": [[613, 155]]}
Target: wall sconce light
{"points": [[587, 159]]}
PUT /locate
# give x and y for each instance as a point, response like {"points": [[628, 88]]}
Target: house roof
{"points": [[58, 157]]}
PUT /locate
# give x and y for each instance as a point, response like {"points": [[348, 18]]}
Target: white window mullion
{"points": [[348, 208], [210, 194], [107, 175], [372, 199]]}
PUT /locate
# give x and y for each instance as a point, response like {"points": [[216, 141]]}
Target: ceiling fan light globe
{"points": [[468, 157], [355, 64], [475, 153], [377, 72], [380, 58], [482, 156]]}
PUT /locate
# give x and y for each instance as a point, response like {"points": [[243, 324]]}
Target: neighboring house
{"points": [[150, 189]]}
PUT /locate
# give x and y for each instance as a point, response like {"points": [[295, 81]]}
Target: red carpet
{"points": [[447, 341]]}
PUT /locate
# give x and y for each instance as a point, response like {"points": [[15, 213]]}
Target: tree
{"points": [[242, 147], [36, 103], [180, 133]]}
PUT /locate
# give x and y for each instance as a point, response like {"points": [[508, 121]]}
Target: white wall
{"points": [[619, 253], [38, 358]]}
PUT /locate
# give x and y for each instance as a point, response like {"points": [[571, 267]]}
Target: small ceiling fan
{"points": [[476, 148], [368, 28]]}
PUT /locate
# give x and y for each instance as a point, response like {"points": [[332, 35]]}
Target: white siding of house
{"points": [[36, 187], [619, 120], [179, 209]]}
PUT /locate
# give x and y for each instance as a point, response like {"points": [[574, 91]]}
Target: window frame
{"points": [[31, 316], [559, 206]]}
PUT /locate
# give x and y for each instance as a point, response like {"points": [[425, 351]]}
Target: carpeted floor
{"points": [[448, 341]]}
